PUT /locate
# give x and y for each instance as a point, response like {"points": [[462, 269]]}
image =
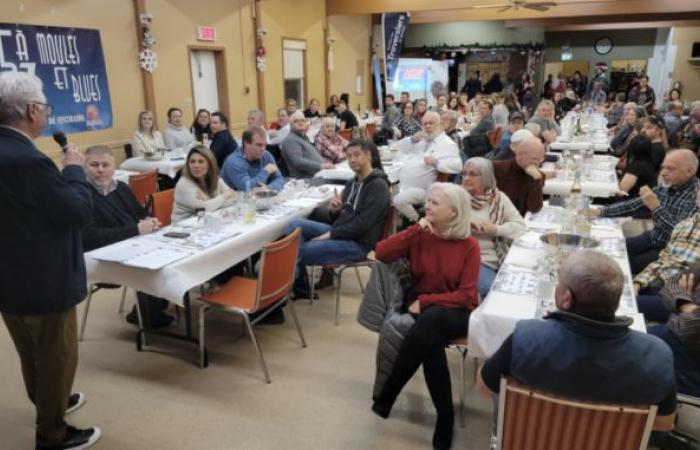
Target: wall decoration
{"points": [[70, 63], [148, 59]]}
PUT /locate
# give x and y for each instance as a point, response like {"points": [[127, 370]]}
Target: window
{"points": [[294, 59]]}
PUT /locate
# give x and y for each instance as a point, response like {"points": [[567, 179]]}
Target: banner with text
{"points": [[70, 64], [394, 26]]}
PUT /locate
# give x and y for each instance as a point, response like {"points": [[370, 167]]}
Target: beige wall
{"points": [[351, 56], [301, 20], [115, 20], [175, 28], [686, 73]]}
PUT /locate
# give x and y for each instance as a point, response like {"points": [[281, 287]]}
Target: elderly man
{"points": [[432, 152], [520, 178], [669, 203], [679, 255], [283, 128], [43, 269], [555, 354], [252, 167], [116, 215], [300, 155]]}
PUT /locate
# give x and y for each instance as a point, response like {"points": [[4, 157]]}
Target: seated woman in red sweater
{"points": [[444, 262]]}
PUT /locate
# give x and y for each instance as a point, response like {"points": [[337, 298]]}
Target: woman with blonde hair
{"points": [[146, 138], [200, 187], [444, 264]]}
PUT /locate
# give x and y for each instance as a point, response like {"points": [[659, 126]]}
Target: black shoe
{"points": [[75, 401], [381, 409], [325, 281], [76, 439], [442, 437]]}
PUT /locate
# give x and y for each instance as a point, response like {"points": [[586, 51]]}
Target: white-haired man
{"points": [[43, 271], [432, 152]]}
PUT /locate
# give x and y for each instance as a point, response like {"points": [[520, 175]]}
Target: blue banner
{"points": [[394, 26], [69, 62], [377, 82]]}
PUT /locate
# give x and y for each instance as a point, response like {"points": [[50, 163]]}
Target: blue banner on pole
{"points": [[377, 81], [70, 64], [394, 26]]}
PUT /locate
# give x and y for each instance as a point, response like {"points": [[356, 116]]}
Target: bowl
{"points": [[264, 199]]}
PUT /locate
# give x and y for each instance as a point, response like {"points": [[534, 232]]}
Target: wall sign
{"points": [[70, 64], [206, 33]]}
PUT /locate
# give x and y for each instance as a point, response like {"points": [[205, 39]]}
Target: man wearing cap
{"points": [[511, 138]]}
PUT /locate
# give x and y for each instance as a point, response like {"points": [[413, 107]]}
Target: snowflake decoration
{"points": [[148, 60], [148, 39]]}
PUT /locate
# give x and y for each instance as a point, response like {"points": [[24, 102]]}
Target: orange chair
{"points": [[245, 296], [346, 134], [143, 185], [338, 269], [495, 136], [532, 420], [371, 129], [162, 206]]}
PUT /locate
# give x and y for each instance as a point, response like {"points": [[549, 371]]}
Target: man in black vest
{"points": [[582, 351], [42, 269], [117, 216]]}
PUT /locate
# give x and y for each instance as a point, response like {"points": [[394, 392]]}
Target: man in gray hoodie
{"points": [[356, 219]]}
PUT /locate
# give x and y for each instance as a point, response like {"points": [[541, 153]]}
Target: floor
{"points": [[319, 397]]}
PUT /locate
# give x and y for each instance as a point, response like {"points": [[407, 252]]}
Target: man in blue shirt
{"points": [[252, 166]]}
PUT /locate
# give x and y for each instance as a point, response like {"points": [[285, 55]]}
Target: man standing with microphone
{"points": [[42, 270]]}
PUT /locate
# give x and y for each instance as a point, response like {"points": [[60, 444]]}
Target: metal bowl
{"points": [[568, 242], [264, 199]]}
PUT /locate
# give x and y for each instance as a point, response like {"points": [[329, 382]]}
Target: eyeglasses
{"points": [[48, 109]]}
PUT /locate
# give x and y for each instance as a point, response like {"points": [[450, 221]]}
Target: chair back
{"points": [[346, 134], [495, 136], [532, 420], [162, 206], [128, 151], [278, 262], [371, 129], [143, 185]]}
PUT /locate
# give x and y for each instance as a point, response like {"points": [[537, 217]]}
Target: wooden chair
{"points": [[143, 185], [261, 296], [346, 134], [371, 129], [532, 420], [338, 269], [161, 206]]}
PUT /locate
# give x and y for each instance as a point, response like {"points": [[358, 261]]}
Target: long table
{"points": [[598, 178], [523, 288], [169, 165]]}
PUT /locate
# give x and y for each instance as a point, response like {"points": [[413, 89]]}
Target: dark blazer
{"points": [[42, 269], [222, 145], [108, 224]]}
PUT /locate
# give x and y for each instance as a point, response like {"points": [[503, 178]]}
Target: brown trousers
{"points": [[48, 350]]}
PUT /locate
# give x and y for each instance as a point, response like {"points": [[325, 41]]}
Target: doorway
{"points": [[208, 75], [294, 58]]}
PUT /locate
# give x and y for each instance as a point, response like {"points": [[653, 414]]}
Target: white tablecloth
{"points": [[173, 281], [123, 175], [343, 171], [494, 320], [598, 178], [169, 165]]}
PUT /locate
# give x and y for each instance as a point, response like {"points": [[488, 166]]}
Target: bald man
{"points": [[668, 203], [555, 354], [520, 178]]}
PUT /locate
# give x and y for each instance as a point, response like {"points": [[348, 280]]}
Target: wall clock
{"points": [[603, 45]]}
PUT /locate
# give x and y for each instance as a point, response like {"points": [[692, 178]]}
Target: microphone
{"points": [[61, 140]]}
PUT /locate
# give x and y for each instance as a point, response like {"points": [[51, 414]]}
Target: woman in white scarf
{"points": [[495, 220]]}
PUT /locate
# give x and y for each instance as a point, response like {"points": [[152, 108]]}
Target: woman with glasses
{"points": [[495, 220]]}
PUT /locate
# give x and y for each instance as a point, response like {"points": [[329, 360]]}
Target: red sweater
{"points": [[444, 272]]}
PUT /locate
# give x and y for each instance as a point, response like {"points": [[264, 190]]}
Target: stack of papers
{"points": [[143, 253]]}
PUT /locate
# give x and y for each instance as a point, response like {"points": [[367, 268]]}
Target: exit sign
{"points": [[206, 33]]}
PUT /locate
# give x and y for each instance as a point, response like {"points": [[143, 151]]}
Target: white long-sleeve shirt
{"points": [[416, 174]]}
